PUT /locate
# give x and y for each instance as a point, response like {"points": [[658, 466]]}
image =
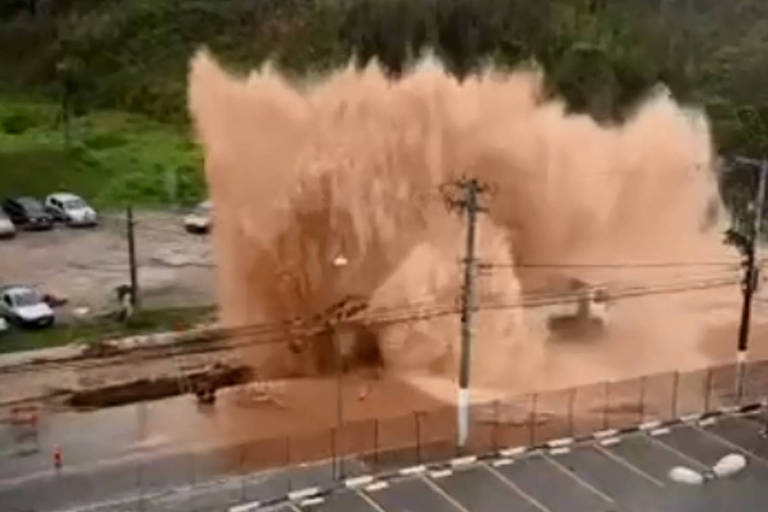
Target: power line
{"points": [[617, 265], [282, 332]]}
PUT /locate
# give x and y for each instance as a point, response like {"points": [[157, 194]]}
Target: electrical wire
{"points": [[613, 265], [282, 332]]}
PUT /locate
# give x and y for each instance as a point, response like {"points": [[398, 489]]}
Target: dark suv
{"points": [[28, 212]]}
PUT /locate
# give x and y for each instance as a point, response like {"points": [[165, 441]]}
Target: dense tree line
{"points": [[600, 55]]}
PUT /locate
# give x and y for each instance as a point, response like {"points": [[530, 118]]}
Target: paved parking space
{"points": [[480, 490], [646, 455], [625, 488], [344, 502], [551, 486], [744, 432], [695, 444], [411, 495]]}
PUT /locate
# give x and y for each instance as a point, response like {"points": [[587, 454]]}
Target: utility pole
{"points": [[753, 269], [470, 189], [132, 257]]}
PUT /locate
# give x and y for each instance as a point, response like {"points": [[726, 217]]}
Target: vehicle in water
{"points": [[28, 213], [23, 306], [583, 315], [200, 220], [71, 209]]}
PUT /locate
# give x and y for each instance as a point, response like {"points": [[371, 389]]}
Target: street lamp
{"points": [[340, 261]]}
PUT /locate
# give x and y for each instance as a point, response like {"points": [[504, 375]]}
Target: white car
{"points": [[3, 325], [201, 219], [71, 209], [7, 229], [25, 307]]}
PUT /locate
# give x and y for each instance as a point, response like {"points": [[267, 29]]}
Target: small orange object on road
{"points": [[57, 457]]}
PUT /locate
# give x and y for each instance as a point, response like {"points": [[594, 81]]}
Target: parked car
{"points": [[28, 212], [201, 218], [71, 209], [7, 229], [25, 307], [3, 325]]}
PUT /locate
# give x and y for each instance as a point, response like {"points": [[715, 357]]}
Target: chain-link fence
{"points": [[212, 478]]}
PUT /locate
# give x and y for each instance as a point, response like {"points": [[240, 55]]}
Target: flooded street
{"points": [[85, 265]]}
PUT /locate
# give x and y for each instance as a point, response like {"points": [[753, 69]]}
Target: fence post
{"points": [[675, 388], [641, 405], [140, 485], [418, 436], [708, 390], [288, 454], [376, 442], [192, 481], [243, 457], [532, 420], [496, 421], [571, 404], [607, 404], [335, 462]]}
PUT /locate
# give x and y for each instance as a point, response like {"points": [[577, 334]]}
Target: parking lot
{"points": [[86, 264], [624, 473], [630, 475]]}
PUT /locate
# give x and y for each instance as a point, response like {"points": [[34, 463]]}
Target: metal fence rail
{"points": [[375, 445]]}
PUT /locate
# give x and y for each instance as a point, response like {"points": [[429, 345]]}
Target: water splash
{"points": [[352, 164]]}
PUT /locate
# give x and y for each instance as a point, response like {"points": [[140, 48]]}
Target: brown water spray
{"points": [[352, 165]]}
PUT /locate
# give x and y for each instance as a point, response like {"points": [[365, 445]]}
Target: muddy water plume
{"points": [[351, 165]]}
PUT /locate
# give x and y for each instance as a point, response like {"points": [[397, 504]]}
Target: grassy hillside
{"points": [[113, 157]]}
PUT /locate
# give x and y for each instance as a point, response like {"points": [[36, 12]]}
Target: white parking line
{"points": [[512, 485], [733, 445], [630, 466], [450, 499], [245, 507], [370, 501], [578, 479], [677, 452]]}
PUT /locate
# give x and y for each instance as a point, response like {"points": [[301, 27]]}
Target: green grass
{"points": [[113, 158], [143, 322]]}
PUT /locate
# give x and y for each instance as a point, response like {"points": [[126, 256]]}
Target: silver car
{"points": [[7, 228], [201, 219], [71, 209], [23, 306]]}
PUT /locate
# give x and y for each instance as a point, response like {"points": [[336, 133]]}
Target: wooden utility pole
{"points": [[469, 204], [132, 257], [753, 267]]}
